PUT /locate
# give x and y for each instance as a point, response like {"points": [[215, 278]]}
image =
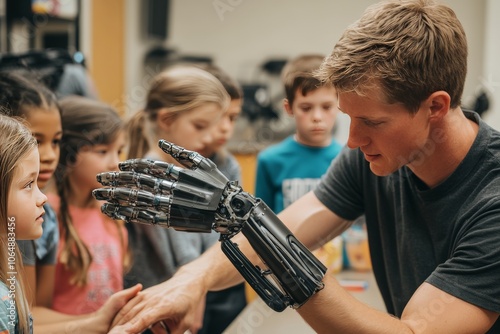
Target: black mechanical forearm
{"points": [[296, 270], [199, 198]]}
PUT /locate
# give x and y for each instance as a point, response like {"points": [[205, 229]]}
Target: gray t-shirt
{"points": [[228, 165], [448, 236], [158, 252]]}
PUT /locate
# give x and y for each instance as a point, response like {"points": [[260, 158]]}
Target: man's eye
{"points": [[371, 123]]}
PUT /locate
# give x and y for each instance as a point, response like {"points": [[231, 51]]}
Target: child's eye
{"points": [[56, 142], [99, 151], [29, 185]]}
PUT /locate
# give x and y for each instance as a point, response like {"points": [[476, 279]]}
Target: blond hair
{"points": [[178, 89], [410, 48], [16, 141]]}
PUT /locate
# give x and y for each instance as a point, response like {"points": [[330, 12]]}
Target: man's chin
{"points": [[381, 170]]}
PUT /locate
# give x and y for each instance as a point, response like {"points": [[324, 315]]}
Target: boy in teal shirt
{"points": [[290, 169]]}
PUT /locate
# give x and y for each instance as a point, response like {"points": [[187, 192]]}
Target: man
{"points": [[425, 174]]}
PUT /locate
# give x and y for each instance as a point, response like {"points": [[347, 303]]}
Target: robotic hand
{"points": [[199, 198]]}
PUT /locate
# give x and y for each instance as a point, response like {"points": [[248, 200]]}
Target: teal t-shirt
{"points": [[288, 170]]}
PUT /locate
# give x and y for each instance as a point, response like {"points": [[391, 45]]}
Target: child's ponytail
{"points": [[138, 144]]}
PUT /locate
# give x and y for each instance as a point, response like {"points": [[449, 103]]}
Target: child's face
{"points": [[315, 115], [92, 160], [46, 127], [224, 130], [193, 130], [25, 208]]}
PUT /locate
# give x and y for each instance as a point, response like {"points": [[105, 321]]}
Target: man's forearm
{"points": [[334, 310], [215, 270]]}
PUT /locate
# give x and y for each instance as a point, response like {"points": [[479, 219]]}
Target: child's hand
{"points": [[170, 306], [105, 315]]}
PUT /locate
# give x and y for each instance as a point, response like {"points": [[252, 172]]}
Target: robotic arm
{"points": [[199, 198]]}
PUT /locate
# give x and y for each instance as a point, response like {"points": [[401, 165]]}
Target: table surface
{"points": [[257, 317]]}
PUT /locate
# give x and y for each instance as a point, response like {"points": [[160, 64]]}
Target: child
{"points": [[290, 169], [184, 104], [21, 217], [222, 307], [92, 253], [30, 100], [222, 133]]}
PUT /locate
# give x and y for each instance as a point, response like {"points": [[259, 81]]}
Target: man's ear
{"points": [[164, 119], [287, 107], [438, 104]]}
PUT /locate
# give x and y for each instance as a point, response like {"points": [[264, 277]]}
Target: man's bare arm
{"points": [[430, 310]]}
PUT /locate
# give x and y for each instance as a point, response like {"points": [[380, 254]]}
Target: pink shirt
{"points": [[105, 276]]}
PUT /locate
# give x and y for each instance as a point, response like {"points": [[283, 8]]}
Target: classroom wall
{"points": [[240, 35], [243, 35]]}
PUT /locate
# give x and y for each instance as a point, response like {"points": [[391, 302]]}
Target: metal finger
{"points": [[152, 167], [187, 158], [135, 215], [134, 197], [194, 161], [143, 181]]}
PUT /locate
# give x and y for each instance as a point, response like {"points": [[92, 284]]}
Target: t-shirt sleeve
{"points": [[264, 182], [46, 246], [233, 169], [341, 188], [27, 249], [50, 258]]}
